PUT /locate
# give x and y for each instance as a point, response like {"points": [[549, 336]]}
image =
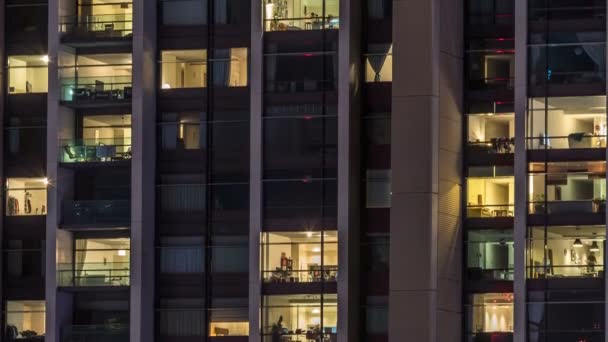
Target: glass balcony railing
{"points": [[94, 150], [487, 274], [101, 26], [93, 274], [322, 274], [572, 141], [96, 212], [490, 211], [116, 332], [541, 207], [103, 88], [494, 146], [305, 23], [565, 271]]}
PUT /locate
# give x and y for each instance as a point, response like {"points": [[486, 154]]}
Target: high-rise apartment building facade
{"points": [[267, 170]]}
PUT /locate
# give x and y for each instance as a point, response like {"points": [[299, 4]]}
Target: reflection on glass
{"points": [[491, 69], [490, 255], [97, 262], [182, 254], [289, 15], [492, 133], [184, 12], [299, 317], [490, 196], [567, 122], [26, 196], [569, 251], [28, 74], [25, 319], [102, 17], [567, 188], [378, 189], [101, 77], [299, 257]]}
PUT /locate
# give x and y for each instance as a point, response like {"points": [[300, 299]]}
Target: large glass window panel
{"points": [[567, 188], [566, 122], [28, 74], [228, 317], [25, 146], [491, 133], [182, 255], [543, 10], [181, 317], [289, 15], [314, 207], [106, 18], [316, 71], [26, 196], [101, 77], [231, 11], [24, 259], [491, 69], [482, 12], [183, 131], [25, 320], [183, 69], [490, 255], [567, 64], [299, 316], [378, 189], [103, 138], [97, 262], [230, 67], [300, 147], [568, 251], [230, 254], [490, 313], [379, 9], [184, 12], [299, 257], [490, 196]]}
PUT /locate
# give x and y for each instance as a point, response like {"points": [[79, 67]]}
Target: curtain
{"points": [[377, 57], [221, 12], [182, 198], [182, 259], [182, 322], [221, 68], [81, 254]]}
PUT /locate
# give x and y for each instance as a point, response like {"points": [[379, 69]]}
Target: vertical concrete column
{"points": [[521, 187], [349, 165], [255, 175], [3, 94], [605, 258], [426, 155], [58, 242], [414, 157], [143, 166]]}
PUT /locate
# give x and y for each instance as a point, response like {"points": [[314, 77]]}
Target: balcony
{"points": [[291, 15], [91, 29], [99, 274], [116, 332], [73, 151], [95, 80], [96, 213], [24, 321]]}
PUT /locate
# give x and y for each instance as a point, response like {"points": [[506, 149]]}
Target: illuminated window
{"points": [[97, 262], [28, 74], [25, 320], [290, 15], [184, 69], [300, 256], [492, 313], [379, 63], [26, 196], [300, 316]]}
